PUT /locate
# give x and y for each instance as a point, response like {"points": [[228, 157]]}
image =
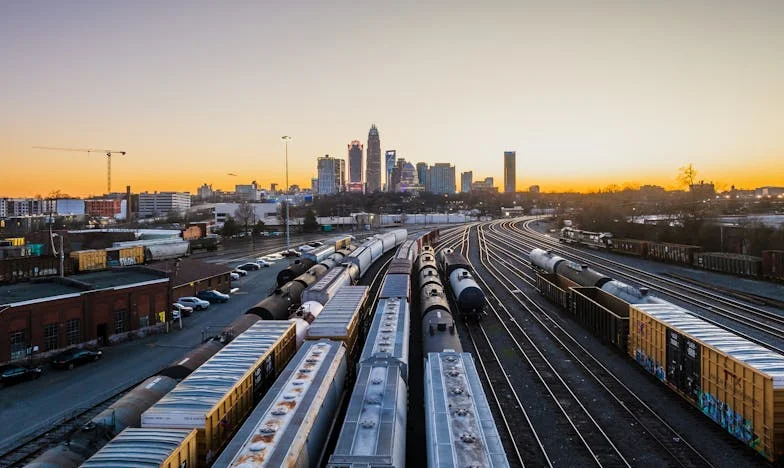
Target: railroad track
{"points": [[59, 428], [500, 390], [671, 445], [518, 246], [674, 283]]}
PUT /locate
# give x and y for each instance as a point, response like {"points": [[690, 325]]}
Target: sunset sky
{"points": [[589, 93]]}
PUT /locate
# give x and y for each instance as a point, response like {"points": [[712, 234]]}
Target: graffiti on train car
{"points": [[649, 364], [732, 422]]}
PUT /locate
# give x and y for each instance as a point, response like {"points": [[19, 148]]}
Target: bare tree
{"points": [[686, 175], [245, 215]]}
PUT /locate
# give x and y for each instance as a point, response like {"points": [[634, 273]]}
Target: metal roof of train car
{"points": [[388, 335], [139, 448], [396, 285], [374, 429], [187, 405], [741, 349], [339, 312], [459, 425], [320, 253], [293, 419]]}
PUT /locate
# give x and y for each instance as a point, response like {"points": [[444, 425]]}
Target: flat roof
{"points": [[190, 270], [35, 290]]}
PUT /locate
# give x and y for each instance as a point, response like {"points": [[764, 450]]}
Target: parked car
{"points": [[73, 357], [316, 244], [305, 248], [14, 373], [249, 266], [240, 272], [291, 253], [272, 257], [213, 296], [264, 263], [185, 311], [234, 276], [193, 302]]}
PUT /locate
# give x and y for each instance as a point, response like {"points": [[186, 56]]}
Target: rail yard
{"points": [[487, 344]]}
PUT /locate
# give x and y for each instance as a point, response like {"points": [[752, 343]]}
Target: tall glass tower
{"points": [[373, 178]]}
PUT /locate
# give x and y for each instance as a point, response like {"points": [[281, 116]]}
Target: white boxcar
{"points": [[320, 253], [362, 257], [323, 290], [290, 425], [388, 335], [445, 422], [374, 430]]}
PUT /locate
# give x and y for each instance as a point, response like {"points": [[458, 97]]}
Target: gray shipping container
{"points": [[374, 430], [294, 418], [327, 286]]}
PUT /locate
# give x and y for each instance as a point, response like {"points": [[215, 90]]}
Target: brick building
{"points": [[98, 308]]}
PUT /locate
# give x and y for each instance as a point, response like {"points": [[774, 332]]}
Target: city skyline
{"points": [[587, 96]]}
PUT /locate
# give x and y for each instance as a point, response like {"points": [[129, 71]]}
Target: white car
{"points": [[193, 302], [240, 272], [264, 263], [234, 276], [305, 248], [272, 257]]}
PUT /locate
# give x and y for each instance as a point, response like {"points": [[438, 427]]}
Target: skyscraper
{"points": [[441, 178], [390, 156], [509, 172], [421, 169], [466, 178], [355, 161], [373, 160], [331, 175]]}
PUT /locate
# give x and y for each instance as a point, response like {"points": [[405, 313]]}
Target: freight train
{"points": [[680, 349], [459, 426], [769, 266], [468, 296], [140, 399]]}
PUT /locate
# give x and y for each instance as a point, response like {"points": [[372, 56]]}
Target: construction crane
{"points": [[108, 154]]}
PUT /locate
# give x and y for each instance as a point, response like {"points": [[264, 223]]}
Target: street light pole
{"points": [[286, 139]]}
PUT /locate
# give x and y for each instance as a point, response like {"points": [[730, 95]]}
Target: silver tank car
{"points": [[432, 297], [544, 260], [428, 275], [439, 332], [581, 274], [468, 295]]}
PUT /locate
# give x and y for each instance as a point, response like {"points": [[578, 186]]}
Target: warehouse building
{"points": [[188, 277], [40, 318]]}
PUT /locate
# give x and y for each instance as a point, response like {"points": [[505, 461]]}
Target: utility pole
{"points": [[286, 139]]}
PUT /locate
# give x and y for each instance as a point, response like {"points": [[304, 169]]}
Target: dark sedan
{"points": [[249, 266], [73, 357], [213, 296], [13, 373]]}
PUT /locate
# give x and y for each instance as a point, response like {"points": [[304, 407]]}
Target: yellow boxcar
{"points": [[16, 241], [165, 448], [217, 397], [736, 383], [132, 255], [88, 260]]}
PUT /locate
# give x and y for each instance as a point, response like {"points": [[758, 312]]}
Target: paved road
{"points": [[25, 406]]}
